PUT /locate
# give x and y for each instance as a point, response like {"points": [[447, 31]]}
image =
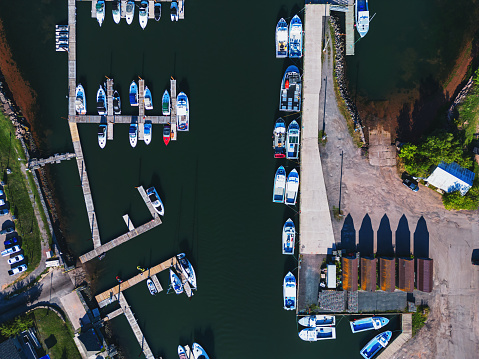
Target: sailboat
{"points": [[143, 13], [175, 282], [295, 38], [100, 11], [282, 39], [362, 17], [130, 11], [116, 11]]}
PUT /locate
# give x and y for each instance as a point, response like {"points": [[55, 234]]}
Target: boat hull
{"points": [[100, 11], [319, 333], [279, 185], [157, 11], [174, 11], [101, 102], [133, 96], [279, 135], [166, 134], [292, 187], [362, 17], [289, 237], [282, 39], [155, 200], [182, 112], [296, 38], [182, 352], [143, 16], [199, 352], [133, 134], [289, 292], [175, 282], [147, 133], [290, 93], [151, 287], [117, 11], [166, 104], [314, 321], [148, 99], [187, 270], [370, 323], [102, 136]]}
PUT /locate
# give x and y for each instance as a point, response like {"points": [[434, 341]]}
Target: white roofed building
{"points": [[451, 177]]}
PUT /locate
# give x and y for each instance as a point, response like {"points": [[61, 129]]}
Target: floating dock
{"points": [[35, 163]]}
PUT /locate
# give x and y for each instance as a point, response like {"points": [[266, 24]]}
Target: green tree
{"points": [[16, 326], [455, 201]]}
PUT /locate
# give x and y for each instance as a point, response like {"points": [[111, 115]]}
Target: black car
{"points": [[8, 230], [411, 183]]}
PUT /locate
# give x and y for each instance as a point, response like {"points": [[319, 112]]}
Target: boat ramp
{"points": [[151, 10]]}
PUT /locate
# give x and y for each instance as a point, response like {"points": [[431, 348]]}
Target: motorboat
{"points": [[10, 250], [187, 269], [199, 352], [182, 352], [102, 135], [292, 141], [376, 344], [289, 236], [133, 94], [148, 99], [290, 94], [295, 38], [166, 134], [182, 112], [369, 323], [116, 11], [175, 282], [80, 100], [314, 321], [143, 13], [157, 11], [318, 333], [100, 11], [289, 292], [147, 132], [292, 187], [101, 104], [279, 185], [155, 200], [362, 17], [133, 134], [130, 11], [116, 103], [151, 287], [166, 104], [279, 134], [282, 39], [174, 11]]}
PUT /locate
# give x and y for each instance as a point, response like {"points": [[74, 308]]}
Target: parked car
{"points": [[12, 250], [19, 269], [16, 259], [11, 241], [3, 212], [411, 183], [8, 230], [2, 202]]}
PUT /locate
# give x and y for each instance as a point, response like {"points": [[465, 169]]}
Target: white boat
{"points": [[289, 292], [102, 135], [182, 112], [182, 352], [279, 185], [281, 39], [130, 11], [370, 323], [289, 236], [133, 94], [187, 269], [147, 132], [314, 321], [295, 38], [292, 141], [362, 17], [148, 99], [318, 333], [116, 103], [155, 200], [151, 287], [143, 13], [376, 344], [133, 134], [175, 282], [279, 134], [290, 94], [199, 352], [174, 11], [101, 104], [166, 104], [292, 187], [100, 11], [80, 100], [116, 11]]}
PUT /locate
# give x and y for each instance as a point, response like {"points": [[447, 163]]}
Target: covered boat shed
{"points": [[350, 273], [387, 274], [424, 275], [331, 279], [406, 274], [368, 274]]}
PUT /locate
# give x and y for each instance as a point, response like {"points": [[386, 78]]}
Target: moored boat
{"points": [[292, 187], [362, 17], [116, 103], [187, 269], [166, 134], [292, 141], [289, 292], [157, 11], [279, 185], [281, 39], [175, 282], [133, 94], [182, 352], [314, 321], [101, 104], [147, 132], [182, 112], [143, 13], [155, 200], [148, 99], [289, 235], [166, 104], [279, 134], [102, 135], [376, 344], [318, 333], [80, 100], [130, 11], [151, 287], [116, 11], [290, 94], [174, 11], [295, 38], [199, 352], [133, 134], [100, 11], [369, 323]]}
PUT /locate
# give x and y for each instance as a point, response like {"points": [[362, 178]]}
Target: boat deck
{"points": [[290, 100]]}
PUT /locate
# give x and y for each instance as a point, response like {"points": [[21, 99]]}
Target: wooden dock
{"points": [[35, 163], [184, 281], [141, 98], [155, 280], [350, 28], [173, 108], [120, 119], [147, 201], [113, 314], [396, 344]]}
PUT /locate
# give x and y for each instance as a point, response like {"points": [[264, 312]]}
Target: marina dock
{"points": [[349, 19], [35, 163], [145, 198], [141, 98], [396, 344], [120, 119]]}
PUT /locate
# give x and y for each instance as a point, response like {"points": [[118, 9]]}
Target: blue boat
{"points": [[318, 333], [279, 185], [295, 38], [133, 94], [318, 320], [175, 282], [376, 344], [370, 323], [282, 39], [279, 134], [289, 235], [362, 17], [290, 94], [289, 292], [292, 141]]}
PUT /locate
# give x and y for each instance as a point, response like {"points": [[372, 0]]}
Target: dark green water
{"points": [[215, 181]]}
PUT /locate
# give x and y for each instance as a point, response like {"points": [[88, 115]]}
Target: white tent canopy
{"points": [[451, 177]]}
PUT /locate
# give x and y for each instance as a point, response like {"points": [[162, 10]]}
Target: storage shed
{"points": [[350, 273], [424, 275], [451, 177], [387, 274], [406, 274], [331, 278], [368, 274]]}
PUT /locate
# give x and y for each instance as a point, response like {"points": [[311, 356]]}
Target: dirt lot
{"points": [[382, 215]]}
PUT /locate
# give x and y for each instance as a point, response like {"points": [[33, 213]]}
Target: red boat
{"points": [[166, 134]]}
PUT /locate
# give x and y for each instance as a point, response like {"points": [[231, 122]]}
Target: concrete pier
{"points": [[350, 28], [394, 346]]}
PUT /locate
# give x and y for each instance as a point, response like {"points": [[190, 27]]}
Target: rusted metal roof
{"points": [[368, 274], [424, 275], [350, 273], [406, 274], [387, 274]]}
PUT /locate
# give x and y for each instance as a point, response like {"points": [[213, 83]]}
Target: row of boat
{"points": [[143, 11], [285, 190], [289, 41], [197, 351]]}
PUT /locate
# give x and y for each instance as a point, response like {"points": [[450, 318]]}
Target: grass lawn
{"points": [[55, 334]]}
